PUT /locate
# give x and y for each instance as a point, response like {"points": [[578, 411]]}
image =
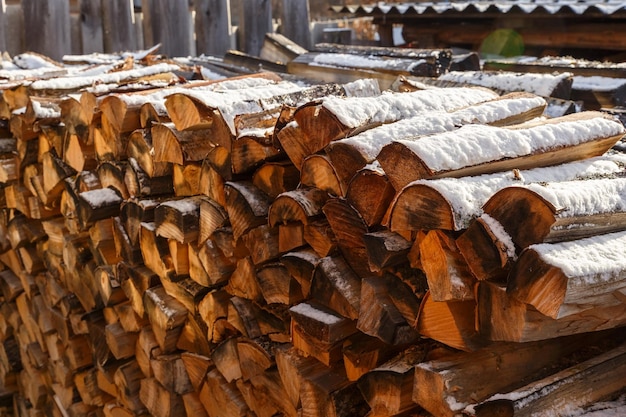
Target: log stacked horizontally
{"points": [[261, 247]]}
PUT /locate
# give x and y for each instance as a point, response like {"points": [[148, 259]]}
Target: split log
{"points": [[569, 386], [328, 354], [246, 205], [301, 264], [159, 401], [141, 149], [317, 171], [385, 249], [504, 318], [337, 287], [178, 219], [352, 154], [370, 193], [388, 388], [321, 322], [274, 178], [208, 265], [567, 278], [559, 211], [166, 315], [186, 179], [450, 322], [212, 217], [262, 243], [447, 273], [444, 387], [349, 229], [278, 286], [111, 174], [336, 118], [379, 316], [592, 135], [139, 184], [297, 206], [97, 205], [441, 203], [180, 147], [220, 398]]}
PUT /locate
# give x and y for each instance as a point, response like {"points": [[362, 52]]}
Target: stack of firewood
{"points": [[256, 246]]}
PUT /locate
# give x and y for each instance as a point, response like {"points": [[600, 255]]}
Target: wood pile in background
{"points": [[259, 247]]}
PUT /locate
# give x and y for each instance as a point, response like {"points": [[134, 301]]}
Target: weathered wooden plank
{"points": [[295, 22], [118, 30], [168, 22], [91, 26], [52, 20], [255, 21], [3, 35], [212, 26]]}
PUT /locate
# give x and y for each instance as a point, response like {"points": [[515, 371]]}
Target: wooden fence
{"points": [[183, 27]]}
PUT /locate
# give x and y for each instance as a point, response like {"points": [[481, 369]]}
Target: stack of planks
{"points": [[260, 247]]}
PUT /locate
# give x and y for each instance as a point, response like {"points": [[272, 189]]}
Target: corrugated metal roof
{"points": [[578, 7]]}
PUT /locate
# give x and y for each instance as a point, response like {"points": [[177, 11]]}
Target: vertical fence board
{"points": [[168, 22], [295, 22], [52, 20], [14, 30], [212, 24], [117, 21], [3, 43], [255, 22], [91, 26]]}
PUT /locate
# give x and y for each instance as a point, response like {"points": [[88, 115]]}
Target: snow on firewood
{"points": [[573, 198], [476, 144], [540, 84], [594, 260], [184, 205], [317, 314], [372, 141], [467, 195], [597, 83], [390, 107], [101, 197], [76, 82]]}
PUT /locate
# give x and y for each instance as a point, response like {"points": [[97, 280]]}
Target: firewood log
{"points": [[337, 287], [570, 385], [290, 236], [349, 229], [379, 316], [193, 338], [178, 219], [170, 372], [298, 205], [197, 366], [159, 401], [441, 203], [447, 273], [370, 193], [406, 161], [141, 149], [269, 387], [147, 348], [246, 205], [212, 217], [139, 184], [388, 388], [301, 264], [185, 290], [254, 321], [111, 174], [127, 379], [120, 342], [262, 243], [186, 179], [155, 251], [97, 204], [167, 316], [449, 322], [274, 178], [277, 285], [55, 171], [561, 279], [318, 171], [319, 235], [336, 118], [220, 398], [327, 392], [179, 147], [349, 155], [559, 211], [385, 249], [446, 386], [504, 318]]}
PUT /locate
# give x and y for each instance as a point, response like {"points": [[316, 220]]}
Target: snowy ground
{"points": [[615, 408]]}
